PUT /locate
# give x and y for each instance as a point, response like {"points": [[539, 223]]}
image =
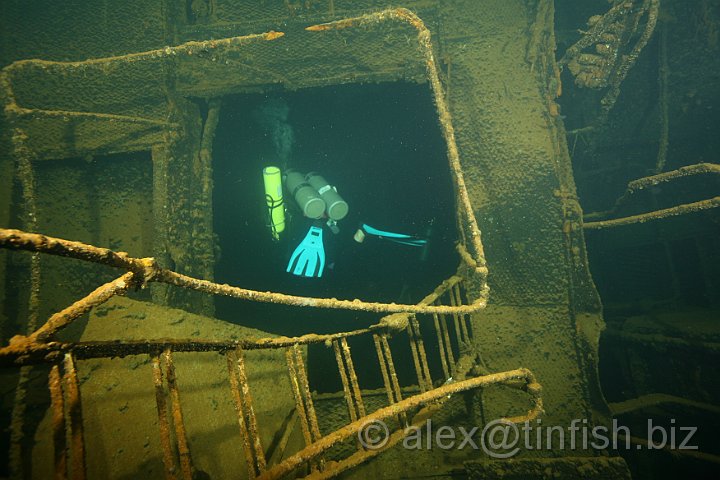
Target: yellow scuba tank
{"points": [[274, 200]]}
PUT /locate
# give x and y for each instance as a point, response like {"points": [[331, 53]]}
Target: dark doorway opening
{"points": [[381, 147]]}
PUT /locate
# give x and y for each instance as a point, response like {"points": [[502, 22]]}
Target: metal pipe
{"points": [[441, 346], [57, 405], [163, 422], [402, 417], [416, 359], [299, 403], [310, 407], [74, 413], [186, 466], [147, 269], [346, 385], [239, 411], [418, 339], [353, 377], [383, 370], [675, 211], [66, 316]]}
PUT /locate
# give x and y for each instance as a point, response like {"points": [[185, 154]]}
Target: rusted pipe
{"points": [[352, 376], [416, 359], [383, 371], [57, 405], [186, 466], [74, 413], [180, 280], [455, 292], [402, 417], [34, 242], [656, 215], [247, 441], [165, 52], [163, 422], [250, 412], [310, 407], [441, 346], [352, 411], [146, 269], [299, 401], [652, 181], [65, 317], [448, 345], [415, 323]]}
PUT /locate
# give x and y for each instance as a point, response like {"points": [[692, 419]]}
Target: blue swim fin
{"points": [[395, 237], [308, 255]]}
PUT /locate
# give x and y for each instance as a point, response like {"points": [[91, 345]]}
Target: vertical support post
{"points": [[303, 398], [57, 403], [448, 344], [416, 358], [165, 441], [353, 377], [181, 241], [415, 326], [441, 346], [251, 443], [160, 160], [309, 405], [26, 177], [250, 412], [402, 418], [183, 451], [299, 402], [383, 370], [455, 316], [180, 434], [458, 301], [352, 411], [74, 413]]}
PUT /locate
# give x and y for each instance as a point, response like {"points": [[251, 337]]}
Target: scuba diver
{"points": [[318, 202], [322, 207]]}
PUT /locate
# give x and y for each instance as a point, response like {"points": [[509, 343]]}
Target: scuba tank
{"points": [[274, 200], [305, 195], [337, 208]]}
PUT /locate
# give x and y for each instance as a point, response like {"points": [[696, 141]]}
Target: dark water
{"points": [[381, 147]]}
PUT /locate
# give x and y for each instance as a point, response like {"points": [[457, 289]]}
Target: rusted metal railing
{"points": [[598, 220], [147, 270], [441, 310], [444, 317], [175, 444]]}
